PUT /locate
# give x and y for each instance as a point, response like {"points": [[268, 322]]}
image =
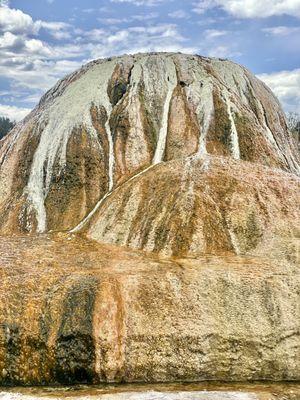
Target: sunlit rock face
{"points": [[114, 118], [176, 184], [77, 311], [195, 206]]}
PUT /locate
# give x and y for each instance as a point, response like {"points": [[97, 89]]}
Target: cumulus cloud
{"points": [[11, 41], [92, 35], [222, 51], [58, 30], [4, 3], [36, 75], [251, 8], [286, 86], [159, 37], [16, 21], [12, 45], [13, 113], [35, 46], [34, 65], [27, 62]]}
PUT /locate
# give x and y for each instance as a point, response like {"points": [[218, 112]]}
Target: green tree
{"points": [[293, 121], [5, 126]]}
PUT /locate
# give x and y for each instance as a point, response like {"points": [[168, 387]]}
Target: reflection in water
{"points": [[203, 391]]}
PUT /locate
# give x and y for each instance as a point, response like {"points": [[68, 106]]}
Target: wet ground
{"points": [[203, 391]]}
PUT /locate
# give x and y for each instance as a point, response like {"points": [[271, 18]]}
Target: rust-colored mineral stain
{"points": [[179, 177]]}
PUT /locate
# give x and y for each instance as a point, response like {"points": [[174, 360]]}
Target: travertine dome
{"points": [[176, 155], [115, 118]]}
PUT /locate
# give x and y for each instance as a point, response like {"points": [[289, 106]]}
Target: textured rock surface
{"points": [[185, 157], [196, 206], [114, 118], [73, 310]]}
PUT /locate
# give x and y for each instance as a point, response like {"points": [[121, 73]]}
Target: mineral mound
{"points": [[149, 213]]}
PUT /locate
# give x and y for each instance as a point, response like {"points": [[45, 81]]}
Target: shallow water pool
{"points": [[202, 391]]}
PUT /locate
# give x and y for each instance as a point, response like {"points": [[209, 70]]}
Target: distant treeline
{"points": [[5, 126], [293, 120]]}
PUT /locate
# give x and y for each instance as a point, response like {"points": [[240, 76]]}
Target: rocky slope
{"points": [[114, 118], [196, 206], [183, 170]]}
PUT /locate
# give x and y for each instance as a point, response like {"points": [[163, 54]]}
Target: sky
{"points": [[43, 40]]}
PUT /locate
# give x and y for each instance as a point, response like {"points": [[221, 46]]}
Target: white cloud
{"points": [[140, 2], [202, 6], [144, 17], [286, 86], [11, 41], [95, 35], [223, 52], [11, 45], [132, 18], [4, 3], [32, 66], [118, 37], [214, 33], [281, 30], [112, 21], [58, 30], [13, 113], [54, 26], [206, 21], [160, 37], [61, 35], [178, 14], [16, 21], [251, 8], [35, 46]]}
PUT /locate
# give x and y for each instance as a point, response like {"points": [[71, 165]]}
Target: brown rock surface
{"points": [[183, 169], [204, 205], [73, 310], [113, 118]]}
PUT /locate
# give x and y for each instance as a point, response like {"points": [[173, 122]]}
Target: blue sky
{"points": [[41, 41]]}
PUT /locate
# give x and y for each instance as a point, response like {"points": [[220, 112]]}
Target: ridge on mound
{"points": [[195, 206]]}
